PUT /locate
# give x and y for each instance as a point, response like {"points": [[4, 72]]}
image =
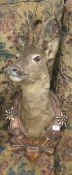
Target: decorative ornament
{"points": [[10, 114], [60, 121]]}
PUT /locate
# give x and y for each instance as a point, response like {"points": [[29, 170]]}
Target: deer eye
{"points": [[36, 58]]}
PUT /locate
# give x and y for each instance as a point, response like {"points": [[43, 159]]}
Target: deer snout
{"points": [[14, 73]]}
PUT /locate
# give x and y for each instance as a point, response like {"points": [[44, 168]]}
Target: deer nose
{"points": [[16, 71], [13, 71]]}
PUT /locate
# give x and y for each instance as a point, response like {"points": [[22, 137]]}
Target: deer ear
{"points": [[48, 40], [44, 45]]}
